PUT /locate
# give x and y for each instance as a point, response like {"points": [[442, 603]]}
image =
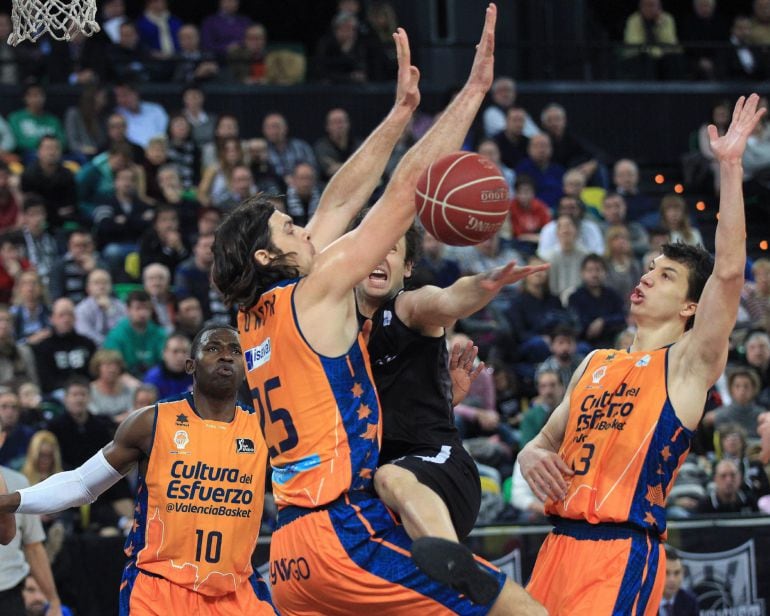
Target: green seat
{"points": [[122, 289]]}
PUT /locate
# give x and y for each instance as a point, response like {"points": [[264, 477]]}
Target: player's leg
{"points": [[423, 513], [513, 600]]}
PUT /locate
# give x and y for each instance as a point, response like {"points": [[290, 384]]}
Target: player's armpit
{"points": [[132, 440]]}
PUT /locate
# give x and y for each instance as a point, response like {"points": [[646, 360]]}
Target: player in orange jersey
{"points": [[607, 457], [338, 549], [199, 503]]}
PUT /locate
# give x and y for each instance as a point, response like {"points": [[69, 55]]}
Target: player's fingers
{"points": [[713, 132], [477, 371], [738, 108], [455, 356]]}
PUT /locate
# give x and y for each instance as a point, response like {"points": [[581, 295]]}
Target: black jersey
{"points": [[412, 377]]}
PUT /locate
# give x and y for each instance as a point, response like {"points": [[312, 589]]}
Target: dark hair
{"points": [[48, 138], [413, 237], [196, 343], [563, 329], [33, 200], [235, 272], [747, 372], [593, 258], [162, 208], [31, 85], [699, 264], [523, 180], [671, 553], [176, 336], [77, 380], [137, 296]]}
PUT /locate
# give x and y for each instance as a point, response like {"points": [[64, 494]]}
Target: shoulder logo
{"points": [[258, 355], [244, 445], [181, 438], [387, 317], [598, 374], [644, 361], [181, 420]]}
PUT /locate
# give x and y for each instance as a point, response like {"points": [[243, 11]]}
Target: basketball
{"points": [[462, 199]]}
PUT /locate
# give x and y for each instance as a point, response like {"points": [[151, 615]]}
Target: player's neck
{"points": [[368, 305], [656, 336], [214, 407]]}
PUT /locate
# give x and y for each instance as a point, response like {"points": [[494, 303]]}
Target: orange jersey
{"points": [[623, 440], [199, 506], [320, 415]]}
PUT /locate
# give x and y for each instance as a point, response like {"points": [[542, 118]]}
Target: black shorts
{"points": [[452, 474]]}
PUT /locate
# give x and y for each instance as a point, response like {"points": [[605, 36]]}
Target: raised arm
{"points": [[704, 350], [353, 257], [350, 188]]}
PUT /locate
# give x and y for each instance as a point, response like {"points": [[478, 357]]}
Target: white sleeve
{"points": [[70, 488]]}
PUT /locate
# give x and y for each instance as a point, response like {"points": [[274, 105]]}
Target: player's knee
{"points": [[389, 481], [513, 600]]}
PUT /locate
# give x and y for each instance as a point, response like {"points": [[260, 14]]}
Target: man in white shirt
{"points": [[144, 120]]}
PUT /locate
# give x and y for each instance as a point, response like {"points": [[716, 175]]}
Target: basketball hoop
{"points": [[62, 19]]}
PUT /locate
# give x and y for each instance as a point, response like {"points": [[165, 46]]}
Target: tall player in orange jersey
{"points": [[610, 451], [309, 373], [199, 503]]}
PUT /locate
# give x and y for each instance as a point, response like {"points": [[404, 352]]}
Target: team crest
{"points": [[598, 374], [387, 317], [244, 445], [181, 438]]}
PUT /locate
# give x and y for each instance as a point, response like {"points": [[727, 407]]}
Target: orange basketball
{"points": [[462, 199]]}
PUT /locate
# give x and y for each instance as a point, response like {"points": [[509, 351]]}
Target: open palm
{"points": [[730, 146], [407, 90]]}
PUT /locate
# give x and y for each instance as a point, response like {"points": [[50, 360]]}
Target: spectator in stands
{"points": [[639, 207], [550, 392], [12, 264], [129, 58], [214, 188], [85, 123], [303, 194], [284, 152], [760, 23], [614, 211], [564, 358], [755, 297], [568, 151], [512, 141], [36, 602], [32, 406], [732, 442], [32, 123], [51, 180], [703, 25], [138, 339], [433, 267], [590, 237], [155, 157], [564, 273], [654, 51], [488, 148], [16, 360], [14, 437], [111, 396], [528, 215], [64, 353], [182, 201], [727, 495], [183, 151], [757, 356], [190, 63], [381, 18], [743, 60], [201, 121], [43, 457], [246, 61], [623, 268], [756, 158], [720, 117], [225, 29], [145, 395], [96, 179], [156, 279], [112, 14], [546, 174], [143, 120], [344, 56], [192, 278], [675, 218], [744, 386], [225, 127], [240, 187], [189, 316], [38, 246], [121, 220], [529, 507], [208, 221], [116, 135], [169, 375], [158, 29], [29, 311], [676, 600], [163, 242], [502, 97], [337, 145], [98, 313], [265, 177], [68, 278], [10, 200]]}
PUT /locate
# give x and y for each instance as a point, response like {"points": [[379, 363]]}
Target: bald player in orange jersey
{"points": [[202, 463], [608, 456]]}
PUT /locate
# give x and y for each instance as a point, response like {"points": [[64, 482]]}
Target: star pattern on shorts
{"points": [[357, 390], [365, 473], [134, 526], [370, 433], [364, 411], [649, 518], [666, 453], [129, 550], [654, 495]]}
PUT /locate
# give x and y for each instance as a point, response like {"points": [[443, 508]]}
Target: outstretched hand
{"points": [[497, 278], [746, 116], [462, 371], [483, 69], [407, 90]]}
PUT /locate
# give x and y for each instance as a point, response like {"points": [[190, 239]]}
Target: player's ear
{"points": [[189, 365], [408, 269], [688, 310], [263, 257]]}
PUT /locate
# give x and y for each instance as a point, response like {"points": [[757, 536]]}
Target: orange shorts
{"points": [[354, 558], [149, 595], [587, 569]]}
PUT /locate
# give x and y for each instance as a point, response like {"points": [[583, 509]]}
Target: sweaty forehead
{"points": [[222, 336]]}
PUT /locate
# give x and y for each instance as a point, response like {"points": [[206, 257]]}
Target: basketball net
{"points": [[62, 19]]}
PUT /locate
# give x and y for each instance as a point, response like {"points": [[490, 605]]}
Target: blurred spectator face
{"points": [[125, 182], [563, 347], [156, 152], [732, 445], [49, 151], [303, 180], [549, 388], [229, 7], [619, 243], [29, 395], [109, 371], [203, 252], [626, 176], [6, 325], [727, 480], [673, 577], [5, 26], [76, 399], [116, 127], [127, 97], [255, 39], [257, 150], [242, 182], [189, 39], [34, 100], [720, 115], [762, 10], [9, 252], [761, 272], [113, 8], [614, 210], [139, 314], [227, 126], [144, 397], [274, 128], [538, 280], [514, 121], [165, 222], [63, 316], [29, 288], [431, 247], [189, 314], [525, 193], [176, 351], [593, 274], [504, 92], [35, 602], [566, 232], [193, 99], [489, 149], [741, 29], [128, 38], [209, 221], [337, 124], [672, 215], [231, 151], [99, 283], [345, 29], [156, 279], [554, 121], [156, 6], [179, 128], [573, 183], [9, 411], [650, 9], [704, 9], [168, 179], [539, 150], [79, 245], [742, 389], [569, 206], [349, 6], [34, 219]]}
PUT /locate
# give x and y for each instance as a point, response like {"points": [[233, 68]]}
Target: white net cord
{"points": [[62, 19]]}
